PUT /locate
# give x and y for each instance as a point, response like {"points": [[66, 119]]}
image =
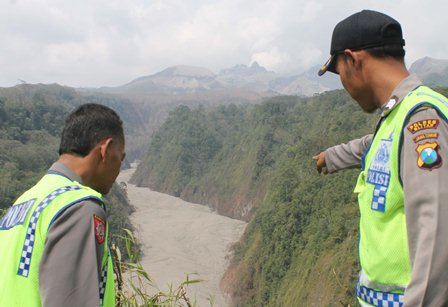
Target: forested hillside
{"points": [[254, 163], [31, 120], [226, 157]]}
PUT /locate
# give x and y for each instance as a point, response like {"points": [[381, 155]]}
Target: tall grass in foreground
{"points": [[135, 288]]}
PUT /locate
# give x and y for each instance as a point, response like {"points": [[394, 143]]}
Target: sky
{"points": [[93, 43]]}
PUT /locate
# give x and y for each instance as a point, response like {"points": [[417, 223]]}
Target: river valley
{"points": [[180, 238]]}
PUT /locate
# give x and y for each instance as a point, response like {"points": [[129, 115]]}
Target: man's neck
{"points": [[386, 74], [79, 165]]}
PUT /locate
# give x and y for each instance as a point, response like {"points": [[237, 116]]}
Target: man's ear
{"points": [[349, 56], [353, 58], [104, 146]]}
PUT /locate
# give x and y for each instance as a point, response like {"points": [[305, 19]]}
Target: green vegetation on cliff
{"points": [[221, 158], [254, 163], [226, 157]]}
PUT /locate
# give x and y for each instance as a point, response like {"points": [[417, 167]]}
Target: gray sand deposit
{"points": [[180, 238]]}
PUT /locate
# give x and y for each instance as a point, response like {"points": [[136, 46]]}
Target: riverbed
{"points": [[180, 238]]}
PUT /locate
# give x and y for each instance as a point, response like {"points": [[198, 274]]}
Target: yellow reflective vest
{"points": [[383, 245], [23, 230]]}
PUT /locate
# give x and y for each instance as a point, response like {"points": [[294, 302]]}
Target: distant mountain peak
{"points": [[186, 71], [431, 71], [257, 67], [427, 64], [242, 69]]}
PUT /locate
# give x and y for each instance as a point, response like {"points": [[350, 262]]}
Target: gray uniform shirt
{"points": [[425, 200], [70, 268]]}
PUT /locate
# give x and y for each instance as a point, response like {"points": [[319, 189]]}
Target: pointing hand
{"points": [[320, 163]]}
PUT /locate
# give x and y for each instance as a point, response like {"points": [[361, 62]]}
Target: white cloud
{"points": [[110, 42]]}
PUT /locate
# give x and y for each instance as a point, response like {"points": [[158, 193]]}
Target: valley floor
{"points": [[180, 238]]}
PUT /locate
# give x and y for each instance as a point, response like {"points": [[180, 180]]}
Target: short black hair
{"points": [[88, 125], [395, 51]]}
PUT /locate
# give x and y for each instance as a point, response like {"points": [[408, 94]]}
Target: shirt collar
{"points": [[402, 90], [64, 170]]}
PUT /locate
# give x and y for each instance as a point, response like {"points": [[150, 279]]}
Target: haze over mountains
{"points": [[183, 79]]}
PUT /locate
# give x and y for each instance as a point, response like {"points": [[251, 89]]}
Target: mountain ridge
{"points": [[433, 72], [182, 79]]}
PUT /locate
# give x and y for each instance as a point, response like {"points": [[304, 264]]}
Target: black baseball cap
{"points": [[362, 30]]}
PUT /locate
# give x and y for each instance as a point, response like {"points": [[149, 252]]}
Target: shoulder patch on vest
{"points": [[100, 229], [424, 136], [423, 124], [428, 156]]}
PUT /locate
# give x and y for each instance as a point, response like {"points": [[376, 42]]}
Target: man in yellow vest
{"points": [[54, 239], [402, 188]]}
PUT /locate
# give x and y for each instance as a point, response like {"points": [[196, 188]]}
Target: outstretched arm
{"points": [[342, 156]]}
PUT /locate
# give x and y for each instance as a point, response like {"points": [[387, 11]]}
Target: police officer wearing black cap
{"points": [[402, 192]]}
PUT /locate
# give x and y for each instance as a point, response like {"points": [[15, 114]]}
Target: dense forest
{"points": [[254, 163], [31, 120]]}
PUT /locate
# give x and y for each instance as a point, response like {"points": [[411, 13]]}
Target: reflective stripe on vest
{"points": [[28, 245], [383, 245], [23, 230], [102, 285], [378, 298]]}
